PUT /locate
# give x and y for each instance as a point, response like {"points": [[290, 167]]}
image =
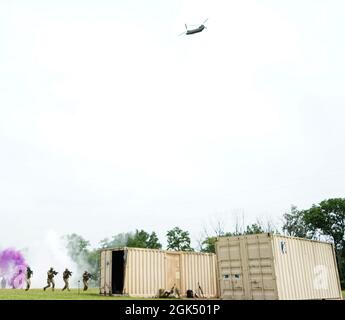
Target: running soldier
{"points": [[66, 274], [50, 279], [29, 273], [86, 277]]}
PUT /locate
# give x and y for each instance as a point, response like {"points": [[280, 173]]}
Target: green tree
{"points": [[209, 245], [178, 240], [153, 242], [295, 225], [138, 240], [76, 246], [142, 239], [259, 227], [328, 219], [254, 228]]}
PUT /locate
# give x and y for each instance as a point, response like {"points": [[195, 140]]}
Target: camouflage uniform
{"points": [[29, 273], [50, 279], [66, 274], [86, 277]]}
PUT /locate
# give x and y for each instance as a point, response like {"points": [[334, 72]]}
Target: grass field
{"points": [[39, 294]]}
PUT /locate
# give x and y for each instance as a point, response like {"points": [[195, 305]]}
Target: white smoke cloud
{"points": [[50, 252]]}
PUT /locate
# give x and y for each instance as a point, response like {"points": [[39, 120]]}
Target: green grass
{"points": [[39, 294]]}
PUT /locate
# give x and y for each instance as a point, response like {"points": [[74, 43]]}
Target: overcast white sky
{"points": [[110, 122]]}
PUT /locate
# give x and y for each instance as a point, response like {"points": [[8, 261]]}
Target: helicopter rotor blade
{"points": [[205, 21], [184, 32]]}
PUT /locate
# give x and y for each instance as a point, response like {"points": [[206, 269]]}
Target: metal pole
{"points": [[78, 287]]}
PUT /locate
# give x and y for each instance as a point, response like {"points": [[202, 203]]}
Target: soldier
{"points": [[86, 277], [17, 279], [50, 279], [29, 273], [66, 274]]}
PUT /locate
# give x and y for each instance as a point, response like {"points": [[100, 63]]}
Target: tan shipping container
{"points": [[142, 272], [267, 266]]}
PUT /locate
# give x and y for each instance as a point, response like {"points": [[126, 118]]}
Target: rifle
{"points": [[168, 293], [200, 290], [88, 276], [68, 273]]}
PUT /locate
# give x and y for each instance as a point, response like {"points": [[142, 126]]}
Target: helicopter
{"points": [[199, 28]]}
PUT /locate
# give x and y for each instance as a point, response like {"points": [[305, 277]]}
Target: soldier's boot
{"points": [[47, 286]]}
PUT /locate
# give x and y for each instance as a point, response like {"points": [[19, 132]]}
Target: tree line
{"points": [[324, 221]]}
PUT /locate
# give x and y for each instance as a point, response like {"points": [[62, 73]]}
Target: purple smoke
{"points": [[13, 267]]}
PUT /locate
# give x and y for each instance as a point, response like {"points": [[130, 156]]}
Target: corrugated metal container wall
{"points": [[266, 266], [148, 270], [305, 269], [145, 272], [199, 269], [105, 266]]}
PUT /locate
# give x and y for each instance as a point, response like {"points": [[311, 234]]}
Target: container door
{"points": [[260, 271], [230, 268], [173, 271], [106, 272], [102, 269], [246, 268]]}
